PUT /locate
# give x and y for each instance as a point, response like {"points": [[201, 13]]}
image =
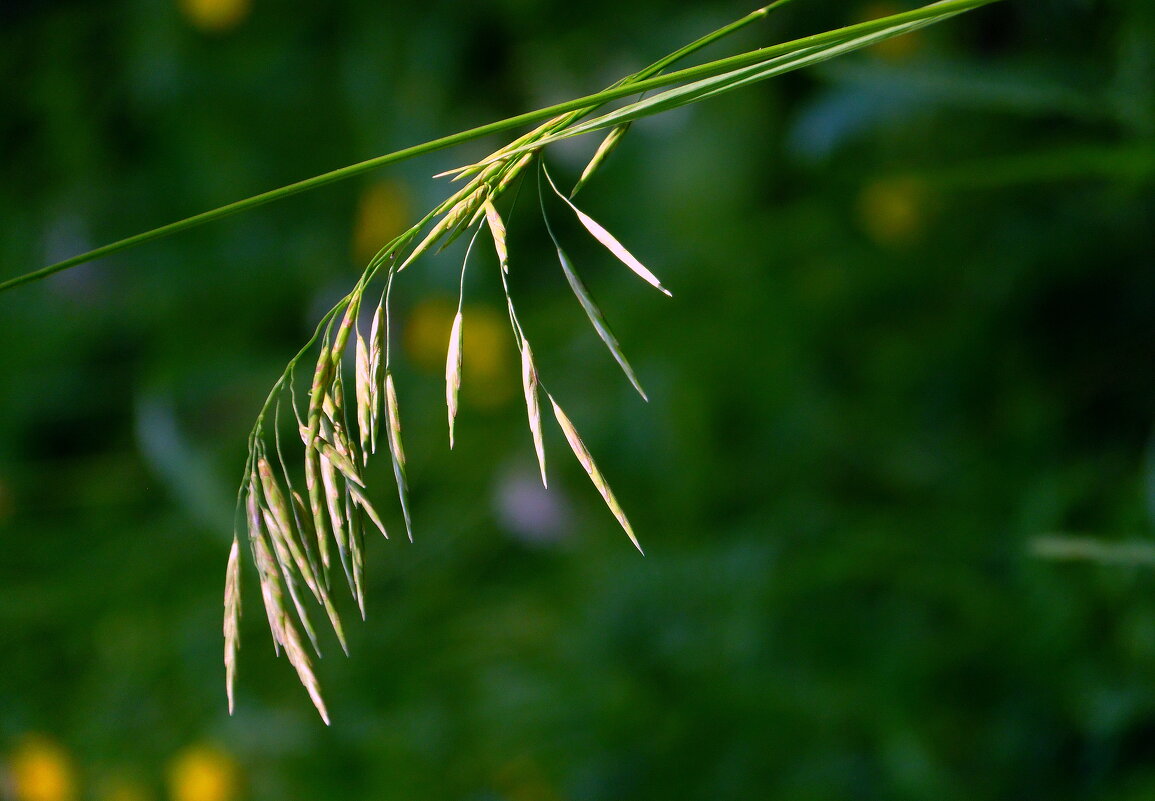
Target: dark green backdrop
{"points": [[912, 331]]}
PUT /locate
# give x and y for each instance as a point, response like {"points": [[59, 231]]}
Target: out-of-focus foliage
{"points": [[913, 329]]}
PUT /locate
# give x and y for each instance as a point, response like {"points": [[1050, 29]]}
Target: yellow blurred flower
{"points": [[42, 771], [898, 48], [215, 16], [202, 773], [893, 211], [382, 213], [487, 374]]}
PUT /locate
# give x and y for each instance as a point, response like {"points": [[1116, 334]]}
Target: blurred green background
{"points": [[912, 332]]}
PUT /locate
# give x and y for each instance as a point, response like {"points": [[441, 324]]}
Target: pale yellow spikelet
{"points": [[598, 319], [497, 230], [394, 417], [295, 651], [283, 518], [356, 552], [464, 204], [376, 351], [232, 620], [334, 494], [600, 155], [288, 574], [397, 451], [363, 380], [532, 407], [304, 518], [358, 496], [270, 588], [341, 462], [512, 172], [317, 504], [453, 372], [610, 242], [587, 462]]}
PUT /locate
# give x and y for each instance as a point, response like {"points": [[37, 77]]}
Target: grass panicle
{"points": [[291, 536]]}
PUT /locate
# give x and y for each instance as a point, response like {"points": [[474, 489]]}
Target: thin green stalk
{"points": [[585, 104]]}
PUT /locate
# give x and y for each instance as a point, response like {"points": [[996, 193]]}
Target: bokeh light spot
{"points": [[202, 773], [42, 771], [383, 212], [215, 16]]}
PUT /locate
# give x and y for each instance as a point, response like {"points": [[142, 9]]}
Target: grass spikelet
{"points": [[609, 241], [376, 350], [334, 620], [341, 338], [513, 171], [317, 504], [333, 419], [361, 500], [356, 552], [497, 231], [453, 352], [305, 534], [461, 209], [397, 451], [363, 382], [322, 378], [394, 417], [300, 661], [232, 620], [304, 522], [267, 575], [283, 516], [341, 462], [308, 565], [453, 371], [532, 407], [284, 632], [285, 563], [466, 213], [334, 504], [529, 381], [587, 462], [600, 155], [596, 318]]}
